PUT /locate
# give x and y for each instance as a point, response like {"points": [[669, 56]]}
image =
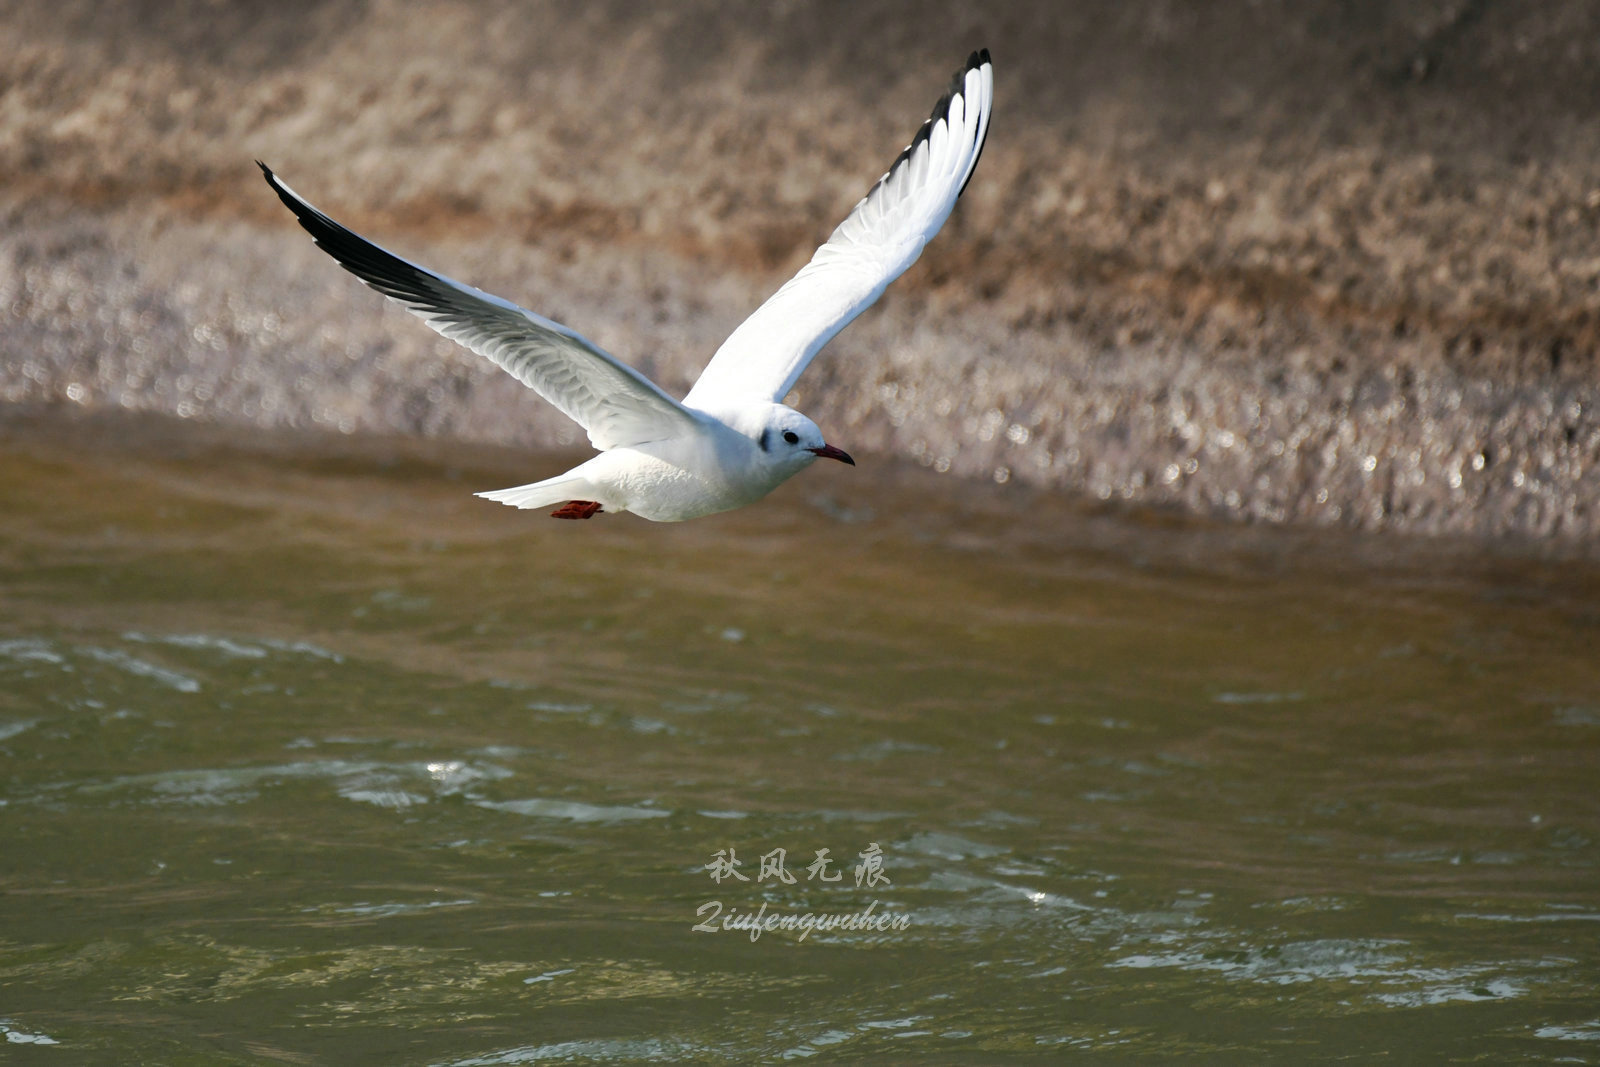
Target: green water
{"points": [[321, 760]]}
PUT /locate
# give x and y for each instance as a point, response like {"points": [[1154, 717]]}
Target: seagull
{"points": [[731, 440]]}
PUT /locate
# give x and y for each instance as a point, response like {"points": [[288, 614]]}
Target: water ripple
{"points": [[574, 810]]}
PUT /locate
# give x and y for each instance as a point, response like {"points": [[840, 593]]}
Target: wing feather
{"points": [[616, 404], [873, 246]]}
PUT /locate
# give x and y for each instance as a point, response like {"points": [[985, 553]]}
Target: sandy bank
{"points": [[1293, 262]]}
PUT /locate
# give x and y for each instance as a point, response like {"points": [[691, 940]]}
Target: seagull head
{"points": [[787, 439]]}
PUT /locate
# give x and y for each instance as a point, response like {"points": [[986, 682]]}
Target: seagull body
{"points": [[730, 441]]}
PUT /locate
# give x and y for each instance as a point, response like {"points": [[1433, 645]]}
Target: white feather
{"points": [[615, 403], [872, 247], [729, 443]]}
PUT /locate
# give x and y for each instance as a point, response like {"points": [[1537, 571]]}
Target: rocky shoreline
{"points": [[1279, 262]]}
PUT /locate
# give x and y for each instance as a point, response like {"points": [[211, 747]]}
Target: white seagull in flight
{"points": [[731, 441]]}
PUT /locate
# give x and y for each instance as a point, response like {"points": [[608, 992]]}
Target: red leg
{"points": [[577, 509]]}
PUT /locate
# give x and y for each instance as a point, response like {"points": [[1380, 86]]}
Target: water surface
{"points": [[309, 756]]}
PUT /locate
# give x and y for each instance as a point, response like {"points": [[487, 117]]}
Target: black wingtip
{"points": [[277, 187], [378, 267], [976, 61], [941, 110], [307, 214], [958, 84]]}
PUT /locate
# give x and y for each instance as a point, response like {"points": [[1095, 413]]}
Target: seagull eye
{"points": [[792, 437]]}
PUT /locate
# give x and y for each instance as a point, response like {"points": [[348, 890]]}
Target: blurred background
{"points": [[1288, 261], [1206, 639]]}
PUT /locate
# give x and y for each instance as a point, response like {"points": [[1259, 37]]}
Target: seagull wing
{"points": [[615, 403], [871, 248]]}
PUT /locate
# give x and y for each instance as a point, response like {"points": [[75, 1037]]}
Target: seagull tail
{"points": [[542, 494]]}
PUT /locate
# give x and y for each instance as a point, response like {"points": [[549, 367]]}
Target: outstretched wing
{"points": [[871, 248], [615, 403]]}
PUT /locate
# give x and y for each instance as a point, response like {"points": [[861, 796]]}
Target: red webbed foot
{"points": [[577, 509]]}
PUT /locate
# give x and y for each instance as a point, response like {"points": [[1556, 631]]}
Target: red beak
{"points": [[829, 452]]}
